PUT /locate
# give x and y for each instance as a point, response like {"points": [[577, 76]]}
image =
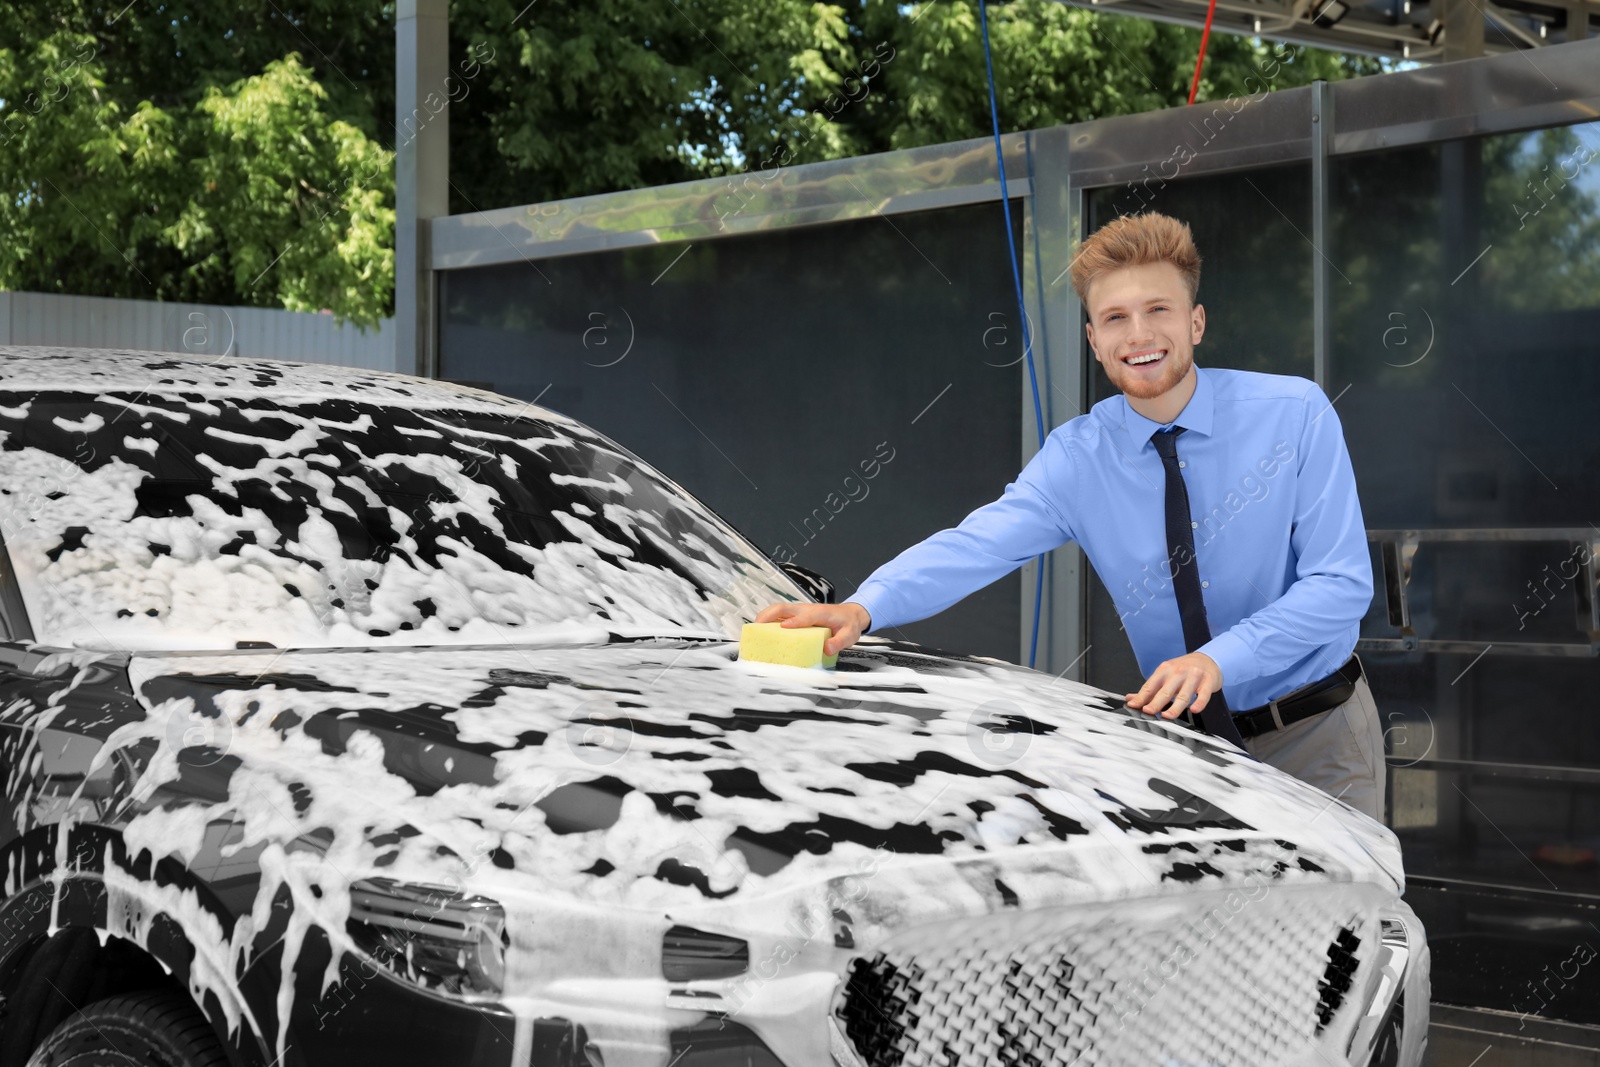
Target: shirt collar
{"points": [[1195, 416]]}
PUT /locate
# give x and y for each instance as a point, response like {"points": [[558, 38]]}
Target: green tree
{"points": [[1058, 64], [239, 153], [188, 153], [1475, 233], [591, 97], [1541, 204], [708, 87]]}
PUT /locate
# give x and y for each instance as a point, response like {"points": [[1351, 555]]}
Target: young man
{"points": [[1218, 506]]}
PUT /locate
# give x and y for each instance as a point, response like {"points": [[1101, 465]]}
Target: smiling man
{"points": [[1218, 507]]}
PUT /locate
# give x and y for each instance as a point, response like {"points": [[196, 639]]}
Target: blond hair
{"points": [[1133, 241]]}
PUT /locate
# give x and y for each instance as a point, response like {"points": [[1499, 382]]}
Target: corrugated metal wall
{"points": [[198, 329]]}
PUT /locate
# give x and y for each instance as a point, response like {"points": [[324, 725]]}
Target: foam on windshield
{"points": [[186, 505]]}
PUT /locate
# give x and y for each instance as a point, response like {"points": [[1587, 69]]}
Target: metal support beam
{"points": [[1369, 27], [1051, 236], [1398, 557], [421, 172], [1321, 294], [1577, 22], [1587, 589], [1463, 29]]}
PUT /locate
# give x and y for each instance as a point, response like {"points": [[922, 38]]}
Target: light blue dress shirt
{"points": [[1282, 550]]}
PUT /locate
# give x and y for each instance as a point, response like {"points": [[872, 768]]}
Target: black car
{"points": [[356, 718]]}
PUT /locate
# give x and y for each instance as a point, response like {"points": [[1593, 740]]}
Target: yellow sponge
{"points": [[798, 646]]}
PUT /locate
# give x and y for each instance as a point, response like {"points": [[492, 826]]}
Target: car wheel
{"points": [[137, 1030]]}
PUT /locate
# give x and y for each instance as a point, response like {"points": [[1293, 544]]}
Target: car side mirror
{"points": [[816, 586]]}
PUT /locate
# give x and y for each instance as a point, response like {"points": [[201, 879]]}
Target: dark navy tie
{"points": [[1185, 572]]}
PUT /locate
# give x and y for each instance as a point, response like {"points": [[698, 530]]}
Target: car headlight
{"points": [[431, 936], [1376, 1040]]}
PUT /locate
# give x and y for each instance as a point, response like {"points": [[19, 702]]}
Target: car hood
{"points": [[669, 773], [608, 795]]}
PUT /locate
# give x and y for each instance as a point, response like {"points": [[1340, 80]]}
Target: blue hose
{"points": [[1022, 309]]}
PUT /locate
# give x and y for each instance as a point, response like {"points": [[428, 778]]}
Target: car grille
{"points": [[1190, 982]]}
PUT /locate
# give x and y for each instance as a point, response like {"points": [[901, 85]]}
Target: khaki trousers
{"points": [[1339, 751]]}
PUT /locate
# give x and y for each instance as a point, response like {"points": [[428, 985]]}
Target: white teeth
{"points": [[1151, 357]]}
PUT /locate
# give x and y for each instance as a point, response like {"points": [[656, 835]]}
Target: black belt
{"points": [[1313, 698]]}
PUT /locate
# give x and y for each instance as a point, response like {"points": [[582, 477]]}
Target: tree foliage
{"points": [[1542, 191], [189, 152], [592, 98], [239, 153], [1527, 245]]}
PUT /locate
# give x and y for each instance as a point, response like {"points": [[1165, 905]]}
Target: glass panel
{"points": [[836, 392], [1255, 285], [1534, 955], [1465, 309]]}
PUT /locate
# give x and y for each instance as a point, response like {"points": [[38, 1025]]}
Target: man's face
{"points": [[1143, 329]]}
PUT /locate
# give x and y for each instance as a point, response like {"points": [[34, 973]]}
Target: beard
{"points": [[1150, 388]]}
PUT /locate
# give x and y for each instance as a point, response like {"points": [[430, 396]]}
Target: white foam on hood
{"points": [[567, 920]]}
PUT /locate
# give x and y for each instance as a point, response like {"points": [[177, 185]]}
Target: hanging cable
{"points": [[1022, 308], [1205, 35], [1016, 271]]}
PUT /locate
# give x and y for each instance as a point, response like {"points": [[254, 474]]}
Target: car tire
{"points": [[136, 1030]]}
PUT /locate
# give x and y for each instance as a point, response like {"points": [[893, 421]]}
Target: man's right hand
{"points": [[847, 621]]}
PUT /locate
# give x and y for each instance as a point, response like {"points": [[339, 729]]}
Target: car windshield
{"points": [[192, 521]]}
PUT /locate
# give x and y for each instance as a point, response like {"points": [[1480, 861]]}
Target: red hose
{"points": [[1205, 35]]}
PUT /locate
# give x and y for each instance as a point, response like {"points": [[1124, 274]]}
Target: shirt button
{"points": [[1194, 525], [1181, 463], [1205, 585]]}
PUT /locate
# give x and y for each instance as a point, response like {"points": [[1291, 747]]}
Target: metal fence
{"points": [[207, 329]]}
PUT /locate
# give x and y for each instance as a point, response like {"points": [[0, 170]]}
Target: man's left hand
{"points": [[1186, 683]]}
